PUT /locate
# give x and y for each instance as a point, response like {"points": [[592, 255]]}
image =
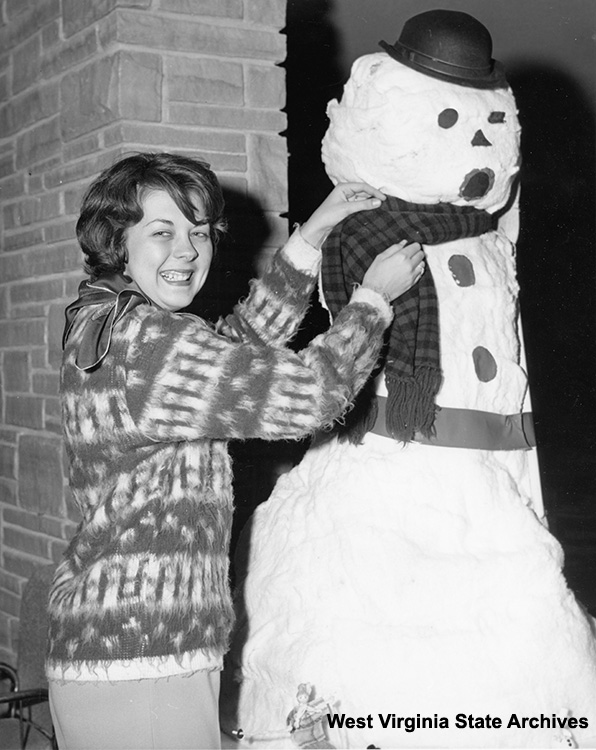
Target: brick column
{"points": [[82, 83]]}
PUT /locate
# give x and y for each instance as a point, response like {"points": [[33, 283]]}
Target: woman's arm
{"points": [[189, 383], [278, 301]]}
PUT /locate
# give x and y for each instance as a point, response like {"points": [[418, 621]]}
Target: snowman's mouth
{"points": [[477, 183]]}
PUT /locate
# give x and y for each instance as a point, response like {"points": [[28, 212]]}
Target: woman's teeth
{"points": [[176, 275]]}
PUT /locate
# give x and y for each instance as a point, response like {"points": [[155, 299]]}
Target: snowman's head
{"points": [[421, 138]]}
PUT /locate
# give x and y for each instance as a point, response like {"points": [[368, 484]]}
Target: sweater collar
{"points": [[115, 295]]}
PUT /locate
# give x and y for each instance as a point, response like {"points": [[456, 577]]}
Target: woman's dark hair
{"points": [[113, 203]]}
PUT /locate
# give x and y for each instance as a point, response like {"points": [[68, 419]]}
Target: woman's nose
{"points": [[184, 248]]}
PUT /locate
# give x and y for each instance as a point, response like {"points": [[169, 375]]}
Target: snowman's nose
{"points": [[480, 139]]}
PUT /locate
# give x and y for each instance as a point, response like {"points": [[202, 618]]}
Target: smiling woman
{"points": [[140, 610], [169, 256]]}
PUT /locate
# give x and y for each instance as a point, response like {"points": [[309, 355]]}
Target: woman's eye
{"points": [[496, 117], [447, 118], [161, 233], [200, 234]]}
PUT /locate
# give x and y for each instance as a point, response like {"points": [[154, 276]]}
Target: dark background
{"points": [[548, 51]]}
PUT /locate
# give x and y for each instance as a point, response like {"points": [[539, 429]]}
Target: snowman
{"points": [[404, 569]]}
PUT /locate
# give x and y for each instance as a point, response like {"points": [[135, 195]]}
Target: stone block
{"points": [[32, 106], [4, 302], [26, 64], [204, 80], [37, 310], [82, 169], [31, 210], [7, 581], [7, 163], [66, 54], [33, 521], [78, 14], [265, 86], [17, 371], [40, 474], [55, 331], [89, 97], [25, 17], [221, 162], [8, 492], [20, 240], [126, 84], [17, 564], [15, 333], [43, 166], [173, 138], [40, 142], [53, 409], [72, 509], [24, 411], [46, 384], [57, 550], [267, 12], [71, 286], [11, 187], [9, 603], [73, 199], [50, 35], [35, 291], [81, 147], [184, 35], [34, 183], [268, 170], [234, 118], [27, 542], [38, 357], [222, 8], [140, 86], [7, 461], [42, 261], [63, 230]]}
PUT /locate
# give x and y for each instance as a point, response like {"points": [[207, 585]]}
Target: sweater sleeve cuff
{"points": [[301, 254], [370, 297]]}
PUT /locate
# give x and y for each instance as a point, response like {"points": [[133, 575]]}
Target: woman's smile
{"points": [[169, 256]]}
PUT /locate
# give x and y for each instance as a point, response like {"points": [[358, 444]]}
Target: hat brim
{"points": [[430, 66]]}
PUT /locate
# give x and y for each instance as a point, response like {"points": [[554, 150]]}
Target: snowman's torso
{"points": [[480, 347]]}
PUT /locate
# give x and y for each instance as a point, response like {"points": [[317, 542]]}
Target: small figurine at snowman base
{"points": [[306, 719]]}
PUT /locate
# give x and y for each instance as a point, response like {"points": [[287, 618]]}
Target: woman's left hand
{"points": [[345, 199]]}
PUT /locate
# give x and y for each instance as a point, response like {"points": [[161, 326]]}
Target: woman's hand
{"points": [[345, 199], [395, 270]]}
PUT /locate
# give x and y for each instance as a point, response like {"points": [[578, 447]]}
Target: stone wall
{"points": [[82, 83]]}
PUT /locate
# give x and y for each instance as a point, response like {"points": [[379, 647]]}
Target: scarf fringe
{"points": [[411, 405], [361, 418]]}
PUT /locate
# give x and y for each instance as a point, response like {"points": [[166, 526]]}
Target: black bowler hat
{"points": [[449, 45]]}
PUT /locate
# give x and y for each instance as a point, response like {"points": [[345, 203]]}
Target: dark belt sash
{"points": [[473, 429]]}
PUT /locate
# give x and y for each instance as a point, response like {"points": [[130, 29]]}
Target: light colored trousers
{"points": [[171, 713]]}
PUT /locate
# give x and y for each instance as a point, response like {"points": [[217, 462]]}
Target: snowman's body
{"points": [[420, 582]]}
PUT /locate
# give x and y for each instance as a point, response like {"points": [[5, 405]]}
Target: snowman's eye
{"points": [[496, 117], [448, 118]]}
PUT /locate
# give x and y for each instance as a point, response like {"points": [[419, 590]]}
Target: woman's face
{"points": [[168, 256]]}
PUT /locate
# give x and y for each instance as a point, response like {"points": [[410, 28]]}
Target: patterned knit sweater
{"points": [[143, 587]]}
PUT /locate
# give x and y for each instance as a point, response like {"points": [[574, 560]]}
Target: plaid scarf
{"points": [[413, 365]]}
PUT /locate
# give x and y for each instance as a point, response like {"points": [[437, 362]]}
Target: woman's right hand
{"points": [[395, 270]]}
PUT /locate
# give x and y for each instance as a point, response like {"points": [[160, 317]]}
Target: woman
{"points": [[140, 610]]}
